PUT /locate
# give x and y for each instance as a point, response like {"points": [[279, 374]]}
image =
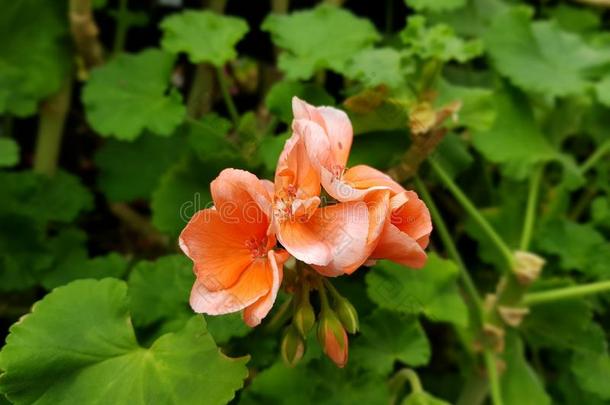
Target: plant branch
{"points": [[85, 32], [530, 210], [474, 213], [558, 294], [52, 119], [594, 158], [122, 26], [421, 147]]}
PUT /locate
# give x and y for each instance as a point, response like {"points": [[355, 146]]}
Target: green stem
{"points": [[530, 210], [280, 317], [334, 292], [494, 378], [226, 95], [122, 25], [473, 212], [592, 160], [474, 392], [52, 119], [413, 380], [443, 232], [558, 294]]}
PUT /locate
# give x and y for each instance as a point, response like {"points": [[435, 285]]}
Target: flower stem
{"points": [[473, 212], [443, 233], [226, 95], [494, 378], [558, 294], [530, 210]]}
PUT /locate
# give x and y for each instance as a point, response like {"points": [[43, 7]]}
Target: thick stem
{"points": [[226, 95], [494, 378], [421, 147], [566, 293], [594, 158], [530, 210], [443, 232], [200, 96], [85, 32], [52, 119], [474, 392], [474, 213]]}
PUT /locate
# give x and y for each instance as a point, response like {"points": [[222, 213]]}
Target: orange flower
{"points": [[332, 238], [234, 260], [398, 231]]}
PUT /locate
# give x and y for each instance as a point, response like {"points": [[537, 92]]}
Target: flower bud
{"points": [[527, 267], [292, 346], [347, 315], [304, 318], [332, 338]]}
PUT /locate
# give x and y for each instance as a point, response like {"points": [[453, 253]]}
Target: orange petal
{"points": [[303, 241], [254, 314], [399, 247], [364, 177], [242, 195], [217, 247], [344, 228], [255, 282], [413, 218], [295, 170]]}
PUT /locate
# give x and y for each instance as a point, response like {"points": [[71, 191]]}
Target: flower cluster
{"points": [[239, 247]]}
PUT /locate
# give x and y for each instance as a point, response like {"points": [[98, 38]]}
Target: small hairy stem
{"points": [[566, 293], [474, 213], [52, 119], [443, 232], [530, 210], [200, 95], [226, 95], [85, 32], [120, 34], [139, 224], [494, 378]]}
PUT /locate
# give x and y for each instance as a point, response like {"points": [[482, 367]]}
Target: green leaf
{"points": [[130, 94], [9, 152], [513, 128], [520, 384], [34, 54], [539, 56], [579, 247], [438, 42], [576, 19], [474, 19], [478, 111], [279, 97], [59, 198], [591, 366], [173, 275], [203, 35], [131, 170], [389, 336], [435, 6], [302, 33], [373, 67], [453, 155], [209, 139], [226, 327], [80, 335], [380, 149], [71, 261], [270, 148], [183, 190], [431, 291], [319, 382]]}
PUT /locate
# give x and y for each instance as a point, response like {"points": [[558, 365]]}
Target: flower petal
{"points": [[218, 248], [242, 195], [413, 218], [255, 282], [254, 314], [344, 228], [364, 177], [399, 247], [303, 241], [296, 171]]}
